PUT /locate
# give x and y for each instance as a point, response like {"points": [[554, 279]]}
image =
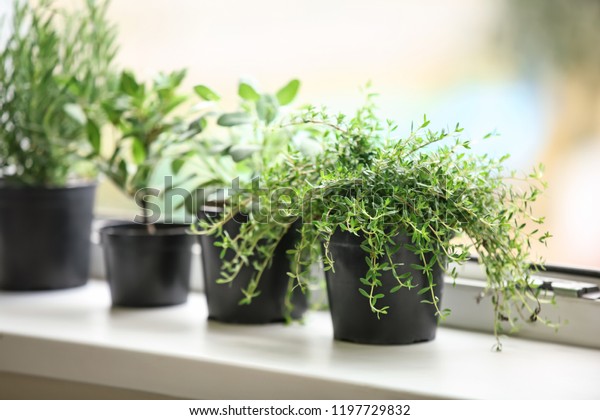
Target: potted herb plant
{"points": [[393, 213], [53, 66], [253, 141], [147, 263]]}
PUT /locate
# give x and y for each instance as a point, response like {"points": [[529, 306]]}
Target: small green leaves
{"points": [[206, 93], [495, 134], [286, 94], [233, 119], [247, 92], [408, 199], [426, 122], [429, 189]]}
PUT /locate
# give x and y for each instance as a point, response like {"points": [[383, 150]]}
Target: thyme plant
{"points": [[429, 186], [54, 69]]}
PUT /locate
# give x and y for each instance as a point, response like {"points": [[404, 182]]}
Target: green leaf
{"points": [[76, 113], [176, 165], [198, 125], [72, 85], [128, 84], [364, 293], [246, 91], [138, 151], [176, 77], [266, 108], [365, 281], [240, 152], [111, 112], [431, 262], [286, 94], [233, 119], [93, 134], [396, 288], [206, 93], [121, 174]]}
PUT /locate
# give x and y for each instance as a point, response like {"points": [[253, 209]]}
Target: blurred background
{"points": [[528, 69]]}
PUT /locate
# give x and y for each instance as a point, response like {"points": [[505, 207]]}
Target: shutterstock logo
{"points": [[273, 205], [276, 205]]}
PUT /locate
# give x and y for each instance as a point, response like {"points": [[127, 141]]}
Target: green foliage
{"points": [[376, 184], [272, 214], [144, 117], [254, 136], [237, 144], [54, 71], [257, 140], [206, 93], [247, 92], [286, 94]]}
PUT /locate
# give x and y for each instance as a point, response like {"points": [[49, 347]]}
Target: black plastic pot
{"points": [[223, 299], [147, 270], [45, 236], [407, 321]]}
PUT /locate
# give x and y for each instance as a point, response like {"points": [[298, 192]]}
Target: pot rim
{"points": [[132, 229], [71, 185]]}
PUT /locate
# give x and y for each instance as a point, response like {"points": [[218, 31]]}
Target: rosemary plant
{"points": [[53, 66]]}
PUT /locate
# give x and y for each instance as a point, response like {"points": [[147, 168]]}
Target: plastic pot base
{"points": [[223, 299], [408, 321], [146, 270], [45, 236]]}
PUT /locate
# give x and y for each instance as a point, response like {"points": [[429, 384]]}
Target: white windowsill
{"points": [[75, 335], [575, 315]]}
